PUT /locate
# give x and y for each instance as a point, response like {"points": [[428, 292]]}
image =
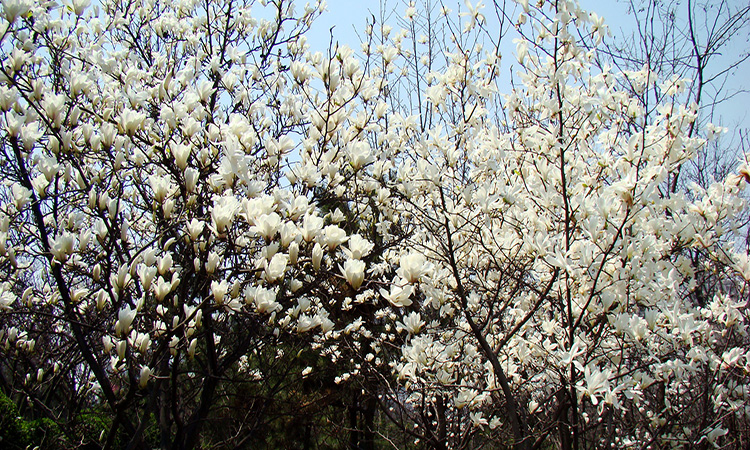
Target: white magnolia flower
{"points": [[360, 155], [219, 291], [359, 247], [124, 319], [195, 228], [300, 205], [62, 247], [300, 72], [181, 153], [122, 278], [79, 6], [306, 323], [477, 419], [293, 253], [332, 237], [14, 9], [212, 262], [412, 323], [311, 226], [475, 17], [144, 376], [337, 216], [191, 348], [161, 186], [399, 295], [714, 435], [165, 263], [162, 289], [276, 268], [131, 121], [6, 300], [223, 211], [412, 266], [465, 397], [21, 196], [191, 179], [289, 233], [265, 300], [570, 357], [354, 272], [594, 384], [317, 256], [266, 225]]}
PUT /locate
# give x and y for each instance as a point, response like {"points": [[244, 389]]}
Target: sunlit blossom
{"points": [[412, 266], [276, 267], [333, 236], [398, 296], [358, 247], [354, 272], [412, 323]]}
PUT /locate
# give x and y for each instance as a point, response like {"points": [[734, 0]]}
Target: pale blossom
{"points": [[289, 233], [465, 397], [276, 267], [62, 246], [569, 357], [317, 256], [144, 376], [358, 247], [212, 262], [300, 205], [311, 226], [412, 266], [293, 253], [7, 299], [223, 212], [181, 153], [354, 272], [162, 288], [332, 237], [21, 196], [191, 179], [412, 323], [14, 9], [594, 384], [125, 318], [266, 225], [219, 291], [165, 263], [398, 296], [264, 300], [477, 419], [195, 228], [360, 155], [191, 348], [306, 323]]}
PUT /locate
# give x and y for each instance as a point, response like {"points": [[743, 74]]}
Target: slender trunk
{"points": [[369, 425], [353, 429], [195, 424], [564, 428]]}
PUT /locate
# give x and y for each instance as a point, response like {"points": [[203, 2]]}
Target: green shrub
{"points": [[17, 433]]}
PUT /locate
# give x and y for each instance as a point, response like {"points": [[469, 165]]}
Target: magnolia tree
{"points": [[190, 192]]}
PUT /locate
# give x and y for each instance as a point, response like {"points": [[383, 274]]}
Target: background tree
{"points": [[563, 104]]}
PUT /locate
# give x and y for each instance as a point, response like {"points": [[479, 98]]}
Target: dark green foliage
{"points": [[19, 433], [11, 436]]}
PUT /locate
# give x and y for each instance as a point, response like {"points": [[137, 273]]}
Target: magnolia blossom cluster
{"points": [[177, 199], [551, 265]]}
